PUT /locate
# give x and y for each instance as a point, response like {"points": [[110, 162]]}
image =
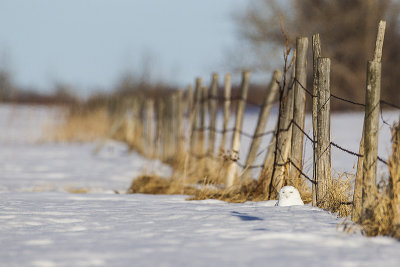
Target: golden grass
{"points": [[385, 218], [81, 126], [338, 198]]}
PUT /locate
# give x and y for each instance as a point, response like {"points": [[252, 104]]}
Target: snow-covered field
{"points": [[41, 224]]}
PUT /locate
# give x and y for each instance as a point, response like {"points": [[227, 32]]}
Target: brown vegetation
{"points": [[385, 218], [347, 30]]}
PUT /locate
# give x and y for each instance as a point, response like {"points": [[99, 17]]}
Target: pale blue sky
{"points": [[90, 43]]}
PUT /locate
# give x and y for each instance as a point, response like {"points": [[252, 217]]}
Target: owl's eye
{"points": [[290, 192]]}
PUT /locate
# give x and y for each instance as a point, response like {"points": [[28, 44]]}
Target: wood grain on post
{"points": [[273, 88], [371, 132], [213, 103], [159, 131], [149, 127], [227, 106], [357, 196], [323, 129], [203, 115], [180, 110], [232, 166], [284, 138], [299, 107], [195, 118], [371, 126], [190, 115], [316, 48]]}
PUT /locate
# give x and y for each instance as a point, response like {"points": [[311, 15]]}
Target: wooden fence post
{"points": [[213, 114], [283, 137], [316, 48], [262, 121], [227, 106], [159, 131], [371, 131], [358, 187], [149, 120], [232, 166], [180, 122], [357, 196], [195, 118], [299, 107], [203, 115], [371, 127], [323, 129]]}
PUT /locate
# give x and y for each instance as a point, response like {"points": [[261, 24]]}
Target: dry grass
{"points": [[385, 218], [81, 126], [152, 184], [339, 196]]}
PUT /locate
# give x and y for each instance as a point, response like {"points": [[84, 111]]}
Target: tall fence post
{"points": [[149, 127], [180, 122], [190, 115], [299, 108], [213, 103], [203, 115], [371, 129], [283, 137], [227, 106], [357, 196], [159, 131], [262, 121], [316, 48], [232, 166], [194, 137], [323, 129], [372, 108]]}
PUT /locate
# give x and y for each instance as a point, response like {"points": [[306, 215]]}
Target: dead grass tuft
{"points": [[338, 197], [81, 126], [152, 184], [385, 218]]}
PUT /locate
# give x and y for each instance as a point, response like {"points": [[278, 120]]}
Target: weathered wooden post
{"points": [[262, 121], [160, 127], [299, 107], [357, 196], [213, 103], [232, 166], [175, 117], [195, 118], [323, 177], [180, 122], [371, 127], [316, 48], [149, 122], [203, 115], [283, 137], [227, 106], [358, 187]]}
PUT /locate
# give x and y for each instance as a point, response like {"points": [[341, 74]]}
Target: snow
{"points": [[289, 196], [41, 224]]}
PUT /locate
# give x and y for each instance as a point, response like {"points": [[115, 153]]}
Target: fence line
{"points": [[206, 101]]}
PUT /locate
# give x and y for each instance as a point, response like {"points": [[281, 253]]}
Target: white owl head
{"points": [[289, 196]]}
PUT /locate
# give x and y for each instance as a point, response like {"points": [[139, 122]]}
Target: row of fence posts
{"points": [[174, 128]]}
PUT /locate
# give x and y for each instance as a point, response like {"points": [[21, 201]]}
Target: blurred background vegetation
{"points": [[347, 29]]}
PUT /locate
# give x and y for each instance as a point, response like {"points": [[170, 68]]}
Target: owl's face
{"points": [[289, 196]]}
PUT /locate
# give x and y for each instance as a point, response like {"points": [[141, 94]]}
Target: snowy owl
{"points": [[289, 196]]}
